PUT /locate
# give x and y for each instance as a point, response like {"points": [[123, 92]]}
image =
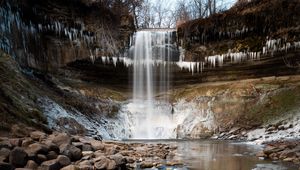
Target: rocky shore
{"points": [[286, 150], [61, 151]]}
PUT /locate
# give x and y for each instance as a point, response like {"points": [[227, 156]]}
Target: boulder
{"points": [[4, 153], [6, 166], [111, 165], [77, 144], [61, 138], [119, 159], [86, 167], [26, 142], [50, 165], [41, 158], [70, 151], [31, 165], [38, 135], [51, 146], [51, 155], [63, 160], [18, 157], [101, 163], [5, 144], [15, 142], [87, 153], [87, 147], [71, 167], [97, 145], [36, 148], [86, 162]]}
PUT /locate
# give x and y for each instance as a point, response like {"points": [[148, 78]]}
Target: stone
{"points": [[5, 144], [288, 159], [41, 158], [31, 165], [119, 159], [71, 151], [87, 147], [111, 165], [50, 165], [71, 167], [97, 145], [270, 149], [37, 135], [15, 142], [86, 162], [51, 146], [101, 163], [26, 142], [18, 157], [77, 144], [4, 152], [86, 167], [111, 150], [23, 169], [6, 166], [87, 153], [36, 148], [146, 165], [51, 155], [61, 138], [63, 160], [99, 153]]}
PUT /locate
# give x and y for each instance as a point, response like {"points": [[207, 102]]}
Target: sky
{"points": [[172, 3]]}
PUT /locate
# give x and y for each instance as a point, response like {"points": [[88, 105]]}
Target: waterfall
{"points": [[151, 56]]}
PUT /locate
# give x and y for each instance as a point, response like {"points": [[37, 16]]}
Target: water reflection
{"points": [[223, 155]]}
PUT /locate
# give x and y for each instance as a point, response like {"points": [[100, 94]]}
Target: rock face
{"points": [[111, 155], [257, 39], [49, 34]]}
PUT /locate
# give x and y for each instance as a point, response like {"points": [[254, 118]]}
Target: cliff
{"points": [[45, 35], [256, 39]]}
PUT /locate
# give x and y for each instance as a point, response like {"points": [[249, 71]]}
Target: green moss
{"points": [[274, 107]]}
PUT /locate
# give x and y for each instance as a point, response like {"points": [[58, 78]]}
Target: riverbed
{"points": [[220, 155]]}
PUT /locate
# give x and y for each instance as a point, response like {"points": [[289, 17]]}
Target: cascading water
{"points": [[152, 119]]}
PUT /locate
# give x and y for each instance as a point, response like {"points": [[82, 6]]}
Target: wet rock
{"points": [[15, 142], [5, 144], [52, 155], [51, 146], [101, 163], [270, 149], [50, 165], [61, 138], [77, 144], [87, 147], [41, 158], [4, 153], [97, 145], [119, 159], [86, 162], [31, 165], [70, 151], [37, 135], [63, 160], [18, 157], [111, 165], [71, 167], [87, 153], [35, 149], [86, 167], [26, 142], [6, 166], [146, 165]]}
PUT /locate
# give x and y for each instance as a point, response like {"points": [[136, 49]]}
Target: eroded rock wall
{"points": [[48, 34]]}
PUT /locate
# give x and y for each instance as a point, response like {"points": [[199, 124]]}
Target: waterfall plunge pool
{"points": [[218, 155]]}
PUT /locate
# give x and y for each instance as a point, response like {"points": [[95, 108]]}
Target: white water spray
{"points": [[151, 120]]}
